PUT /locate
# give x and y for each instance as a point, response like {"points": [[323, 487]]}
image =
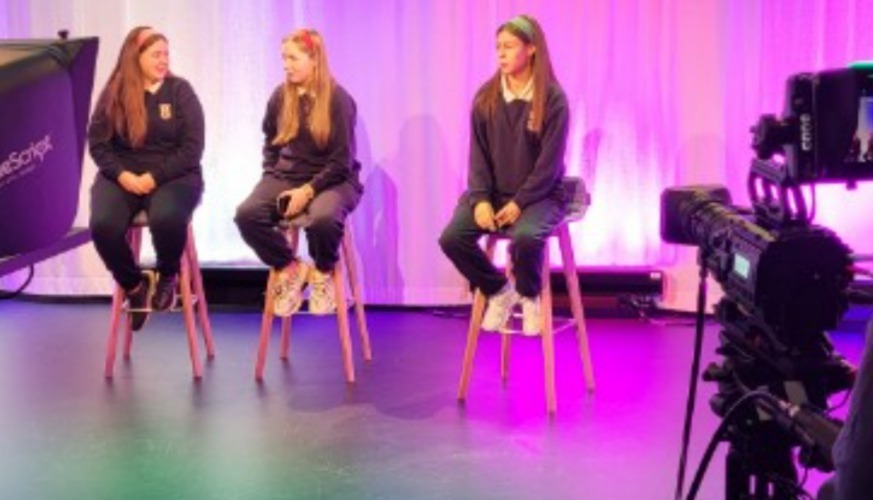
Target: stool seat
{"points": [[579, 200], [347, 258], [192, 297]]}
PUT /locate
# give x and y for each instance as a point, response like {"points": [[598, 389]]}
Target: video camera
{"points": [[826, 132], [45, 95], [786, 281]]}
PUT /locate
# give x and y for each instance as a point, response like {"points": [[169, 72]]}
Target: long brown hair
{"points": [[320, 87], [124, 102], [529, 31]]}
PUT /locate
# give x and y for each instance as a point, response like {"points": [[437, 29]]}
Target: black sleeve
{"points": [[270, 128], [341, 145], [853, 450], [189, 151], [548, 168], [480, 176], [100, 142]]}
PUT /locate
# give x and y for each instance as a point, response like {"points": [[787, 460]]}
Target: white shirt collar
{"points": [[153, 88], [526, 93], [303, 91]]}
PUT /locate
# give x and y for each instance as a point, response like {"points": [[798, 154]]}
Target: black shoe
{"points": [[138, 301], [165, 293]]}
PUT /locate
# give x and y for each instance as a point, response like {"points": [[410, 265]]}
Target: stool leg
{"points": [[576, 304], [505, 351], [548, 338], [200, 294], [190, 322], [266, 326], [472, 341], [117, 302], [352, 274], [285, 342], [342, 317], [505, 340], [478, 310], [135, 238], [292, 237], [128, 336]]}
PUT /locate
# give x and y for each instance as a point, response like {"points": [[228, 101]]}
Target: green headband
{"points": [[522, 24]]}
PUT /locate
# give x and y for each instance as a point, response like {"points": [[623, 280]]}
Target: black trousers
{"points": [[169, 207], [257, 219], [528, 237]]}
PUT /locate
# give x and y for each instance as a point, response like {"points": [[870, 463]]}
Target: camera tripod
{"points": [[761, 426], [759, 463]]}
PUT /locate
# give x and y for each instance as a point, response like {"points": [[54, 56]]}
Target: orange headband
{"points": [[148, 39]]}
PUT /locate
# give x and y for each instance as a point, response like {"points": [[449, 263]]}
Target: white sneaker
{"points": [[500, 308], [322, 297], [288, 290], [531, 316]]}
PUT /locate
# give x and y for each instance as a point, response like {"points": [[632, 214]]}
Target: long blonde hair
{"points": [[124, 104], [529, 31], [320, 86]]}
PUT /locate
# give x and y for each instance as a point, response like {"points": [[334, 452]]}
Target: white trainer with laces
{"points": [[322, 296], [499, 309], [531, 316], [288, 290]]}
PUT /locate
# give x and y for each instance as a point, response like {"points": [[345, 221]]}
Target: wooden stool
{"points": [[579, 203], [190, 278], [347, 260]]}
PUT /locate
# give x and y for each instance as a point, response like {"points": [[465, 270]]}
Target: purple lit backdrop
{"points": [[662, 93]]}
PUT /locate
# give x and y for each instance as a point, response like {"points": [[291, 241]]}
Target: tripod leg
{"points": [[736, 476], [781, 466], [764, 470]]}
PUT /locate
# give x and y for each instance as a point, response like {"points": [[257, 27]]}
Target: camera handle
{"points": [[774, 195]]}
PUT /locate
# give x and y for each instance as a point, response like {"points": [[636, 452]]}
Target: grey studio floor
{"points": [[398, 433]]}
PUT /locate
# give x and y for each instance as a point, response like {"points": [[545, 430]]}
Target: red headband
{"points": [[307, 40]]}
